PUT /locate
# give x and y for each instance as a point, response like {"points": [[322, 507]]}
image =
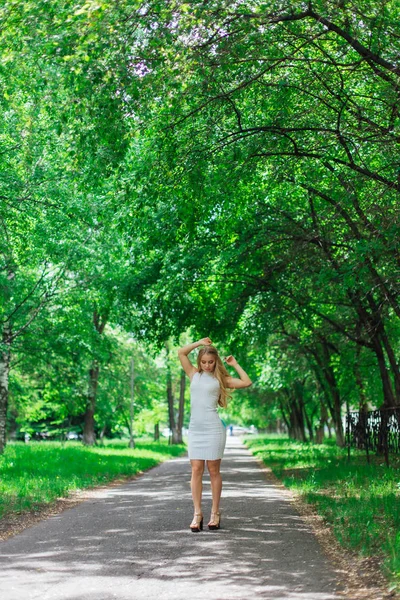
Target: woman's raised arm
{"points": [[183, 352], [233, 382]]}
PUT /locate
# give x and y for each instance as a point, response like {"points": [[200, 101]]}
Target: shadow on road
{"points": [[134, 542]]}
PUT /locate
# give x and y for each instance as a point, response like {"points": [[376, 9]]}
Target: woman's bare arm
{"points": [[183, 352], [233, 382]]}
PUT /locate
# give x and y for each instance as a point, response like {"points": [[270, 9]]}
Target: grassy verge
{"points": [[35, 474], [361, 502]]}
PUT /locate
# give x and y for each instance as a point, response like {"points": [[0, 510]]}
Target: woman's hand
{"points": [[205, 341], [230, 360]]}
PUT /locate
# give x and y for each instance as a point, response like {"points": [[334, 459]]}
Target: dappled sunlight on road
{"points": [[134, 542]]}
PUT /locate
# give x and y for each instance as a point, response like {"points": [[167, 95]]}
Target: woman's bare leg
{"points": [[197, 483], [213, 467]]}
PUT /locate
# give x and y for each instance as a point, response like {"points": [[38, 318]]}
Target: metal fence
{"points": [[374, 431]]}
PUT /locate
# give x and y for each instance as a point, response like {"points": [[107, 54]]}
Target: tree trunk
{"points": [[309, 424], [336, 412], [131, 408], [363, 404], [389, 400], [89, 436], [323, 421], [287, 414], [379, 331], [4, 376], [373, 324], [305, 418], [297, 424], [5, 356], [318, 368], [393, 364], [103, 432], [178, 438], [170, 400], [285, 417]]}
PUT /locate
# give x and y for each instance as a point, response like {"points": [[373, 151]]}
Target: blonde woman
{"points": [[209, 387]]}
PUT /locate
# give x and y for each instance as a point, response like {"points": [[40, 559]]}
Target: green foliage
{"points": [[225, 169], [267, 192], [50, 395], [36, 474], [361, 502]]}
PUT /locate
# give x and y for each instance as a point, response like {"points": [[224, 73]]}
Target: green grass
{"points": [[35, 474], [361, 502]]}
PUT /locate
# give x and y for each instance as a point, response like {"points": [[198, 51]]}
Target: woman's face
{"points": [[207, 362]]}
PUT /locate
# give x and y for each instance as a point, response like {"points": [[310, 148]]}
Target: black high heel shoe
{"points": [[215, 521], [197, 524]]}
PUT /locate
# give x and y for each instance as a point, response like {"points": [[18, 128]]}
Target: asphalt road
{"points": [[133, 542]]}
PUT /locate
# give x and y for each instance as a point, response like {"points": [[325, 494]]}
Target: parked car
{"points": [[40, 436], [72, 435]]}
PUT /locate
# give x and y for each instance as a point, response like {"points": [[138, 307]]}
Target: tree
{"points": [[241, 158], [270, 181], [175, 414], [62, 137]]}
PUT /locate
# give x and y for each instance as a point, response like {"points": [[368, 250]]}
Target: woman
{"points": [[209, 384]]}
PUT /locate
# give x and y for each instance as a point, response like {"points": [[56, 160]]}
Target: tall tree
{"points": [[271, 183]]}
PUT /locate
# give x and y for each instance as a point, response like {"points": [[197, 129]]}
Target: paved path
{"points": [[132, 542]]}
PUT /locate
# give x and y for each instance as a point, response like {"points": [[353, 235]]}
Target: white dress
{"points": [[207, 433]]}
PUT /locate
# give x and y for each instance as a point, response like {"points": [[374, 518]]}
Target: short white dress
{"points": [[207, 433]]}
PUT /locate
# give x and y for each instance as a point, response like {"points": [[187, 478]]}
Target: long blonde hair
{"points": [[220, 373]]}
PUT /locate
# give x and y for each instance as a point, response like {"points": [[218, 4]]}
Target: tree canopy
{"points": [[228, 169]]}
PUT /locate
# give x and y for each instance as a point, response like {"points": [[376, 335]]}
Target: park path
{"points": [[132, 542]]}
